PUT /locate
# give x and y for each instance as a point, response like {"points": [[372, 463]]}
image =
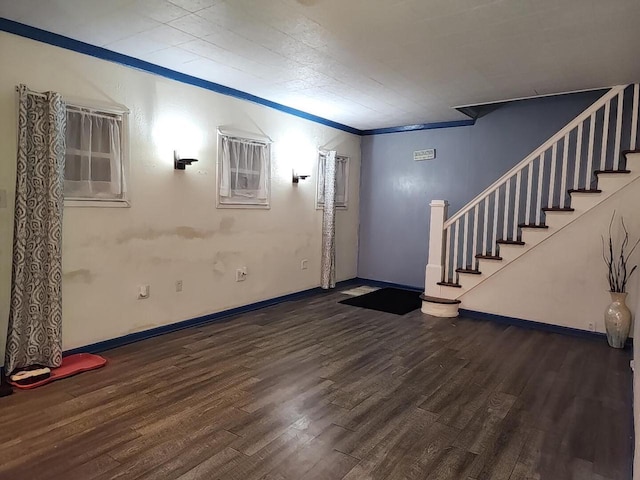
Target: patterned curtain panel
{"points": [[35, 316], [328, 262]]}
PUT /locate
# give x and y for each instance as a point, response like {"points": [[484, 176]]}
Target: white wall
{"points": [[563, 281], [173, 230]]}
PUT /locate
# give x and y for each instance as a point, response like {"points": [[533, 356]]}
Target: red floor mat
{"points": [[71, 365]]}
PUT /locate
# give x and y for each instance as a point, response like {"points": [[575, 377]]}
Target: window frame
{"points": [[345, 204], [108, 109], [252, 138]]}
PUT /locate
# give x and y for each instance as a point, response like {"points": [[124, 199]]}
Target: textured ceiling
{"points": [[365, 63]]}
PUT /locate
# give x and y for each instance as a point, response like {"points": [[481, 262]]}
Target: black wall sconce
{"points": [[181, 163], [298, 176]]}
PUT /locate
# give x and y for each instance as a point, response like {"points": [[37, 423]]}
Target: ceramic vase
{"points": [[617, 320]]}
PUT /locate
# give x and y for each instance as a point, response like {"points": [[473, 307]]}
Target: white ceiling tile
{"points": [[243, 47], [305, 30], [50, 16], [167, 35], [134, 46], [229, 15], [194, 5], [128, 20], [160, 10], [206, 49], [194, 25], [294, 85], [201, 67], [172, 57], [112, 27], [19, 10], [366, 63]]}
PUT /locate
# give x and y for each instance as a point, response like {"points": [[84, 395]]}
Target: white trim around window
{"points": [[243, 173], [342, 182], [105, 152]]}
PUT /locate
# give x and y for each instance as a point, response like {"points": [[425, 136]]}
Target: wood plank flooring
{"points": [[315, 390]]}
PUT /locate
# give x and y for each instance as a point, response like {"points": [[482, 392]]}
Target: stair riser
{"points": [[489, 267], [469, 281], [558, 220], [532, 237], [612, 183], [510, 252], [439, 310], [451, 292], [583, 202]]}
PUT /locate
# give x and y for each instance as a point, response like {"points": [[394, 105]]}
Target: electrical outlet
{"points": [[143, 292], [591, 327], [241, 274], [178, 285], [304, 264]]}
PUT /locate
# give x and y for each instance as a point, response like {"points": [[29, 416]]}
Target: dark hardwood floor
{"points": [[316, 390]]}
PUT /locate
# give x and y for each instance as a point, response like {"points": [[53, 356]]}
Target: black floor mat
{"points": [[390, 300]]}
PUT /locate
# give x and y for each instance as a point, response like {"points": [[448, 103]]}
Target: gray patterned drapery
{"points": [[35, 316], [328, 263]]}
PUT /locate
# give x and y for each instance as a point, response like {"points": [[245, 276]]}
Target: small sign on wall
{"points": [[428, 154]]}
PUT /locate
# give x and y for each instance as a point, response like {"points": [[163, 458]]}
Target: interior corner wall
{"points": [[173, 230], [396, 190]]}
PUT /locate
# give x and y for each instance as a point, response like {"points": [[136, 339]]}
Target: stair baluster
{"points": [[552, 171], [578, 163], [616, 148], [634, 117], [605, 135], [563, 176]]}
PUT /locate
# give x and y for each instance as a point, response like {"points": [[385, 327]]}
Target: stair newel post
{"points": [[435, 264]]}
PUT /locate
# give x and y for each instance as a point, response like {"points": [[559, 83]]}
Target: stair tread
{"points": [[532, 225], [585, 190], [598, 172], [488, 257], [558, 209], [510, 242], [450, 284], [468, 270], [443, 301]]}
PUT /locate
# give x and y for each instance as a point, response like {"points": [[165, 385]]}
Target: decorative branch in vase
{"points": [[617, 316]]}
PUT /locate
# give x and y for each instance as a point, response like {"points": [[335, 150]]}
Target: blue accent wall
{"points": [[395, 191]]}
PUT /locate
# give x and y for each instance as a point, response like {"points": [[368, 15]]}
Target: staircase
{"points": [[579, 167]]}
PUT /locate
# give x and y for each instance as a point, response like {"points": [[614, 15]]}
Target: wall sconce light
{"points": [[299, 176], [181, 163]]}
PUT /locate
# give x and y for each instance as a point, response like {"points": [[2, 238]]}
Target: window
{"points": [[95, 152], [342, 181], [243, 172]]}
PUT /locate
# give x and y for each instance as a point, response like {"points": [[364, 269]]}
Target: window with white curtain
{"points": [[342, 181], [95, 152], [243, 172]]}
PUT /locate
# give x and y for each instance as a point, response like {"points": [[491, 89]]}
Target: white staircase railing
{"points": [[566, 162]]}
